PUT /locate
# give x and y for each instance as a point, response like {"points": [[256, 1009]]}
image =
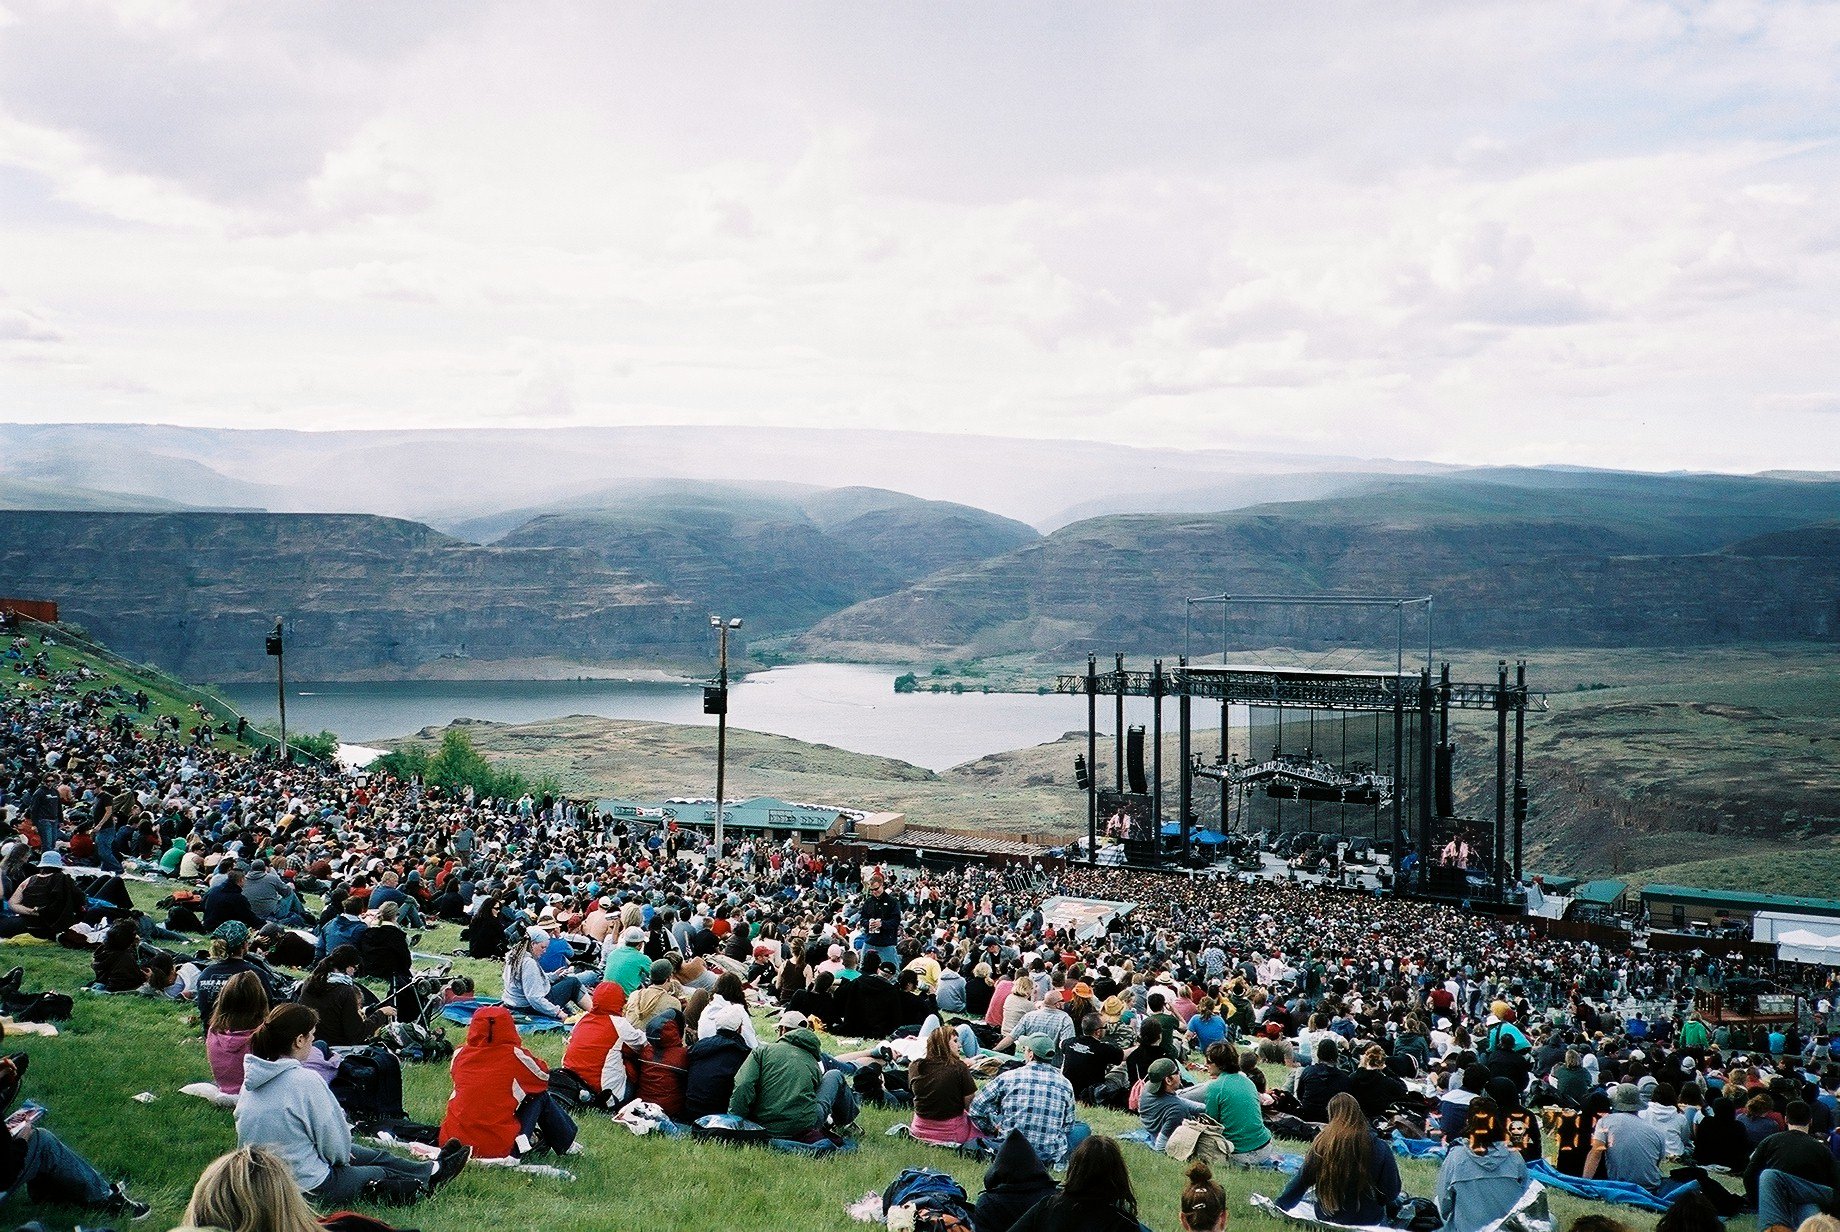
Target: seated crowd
{"points": [[696, 984]]}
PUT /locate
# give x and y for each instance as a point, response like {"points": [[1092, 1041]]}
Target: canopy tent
{"points": [[1799, 938]]}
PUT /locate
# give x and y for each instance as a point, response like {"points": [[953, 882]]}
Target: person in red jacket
{"points": [[601, 1044], [664, 1064], [501, 1104]]}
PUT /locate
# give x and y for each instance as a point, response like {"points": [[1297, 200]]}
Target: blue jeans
{"points": [[52, 1172], [542, 1120], [565, 990], [1077, 1133], [368, 1166], [837, 1102], [1785, 1198]]}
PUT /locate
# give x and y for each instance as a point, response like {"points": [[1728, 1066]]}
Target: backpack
{"points": [[369, 1085], [1135, 1098], [567, 1086], [927, 1189], [869, 1087], [1111, 1091], [415, 1043]]}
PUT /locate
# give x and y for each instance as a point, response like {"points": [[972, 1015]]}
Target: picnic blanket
{"points": [[1621, 1193], [1528, 1214], [462, 1012]]}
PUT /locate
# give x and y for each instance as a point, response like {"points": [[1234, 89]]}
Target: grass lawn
{"points": [[115, 1047]]}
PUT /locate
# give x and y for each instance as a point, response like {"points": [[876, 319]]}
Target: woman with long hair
{"points": [[1482, 1176], [331, 992], [1097, 1195], [943, 1088], [249, 1190], [1354, 1174], [237, 1012]]}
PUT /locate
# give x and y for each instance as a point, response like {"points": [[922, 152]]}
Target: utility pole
{"points": [[276, 649], [715, 701]]}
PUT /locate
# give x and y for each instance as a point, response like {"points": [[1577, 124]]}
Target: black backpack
{"points": [[369, 1085]]}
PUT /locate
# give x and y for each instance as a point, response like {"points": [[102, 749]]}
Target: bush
{"points": [[908, 683], [323, 746], [456, 765]]}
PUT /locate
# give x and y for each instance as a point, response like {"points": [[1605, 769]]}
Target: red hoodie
{"points": [[664, 1070], [602, 1044], [492, 1075]]}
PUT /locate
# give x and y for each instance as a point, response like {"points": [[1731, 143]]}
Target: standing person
{"points": [[1354, 1174], [1482, 1177], [881, 917], [1791, 1175], [290, 1111], [1096, 1198]]}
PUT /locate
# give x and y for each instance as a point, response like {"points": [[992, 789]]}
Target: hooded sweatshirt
{"points": [[1014, 1182], [598, 1045], [290, 1110], [492, 1075], [777, 1086], [721, 1014], [1476, 1190]]}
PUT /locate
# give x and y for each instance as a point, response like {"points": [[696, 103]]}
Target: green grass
{"points": [[116, 1047], [163, 697]]}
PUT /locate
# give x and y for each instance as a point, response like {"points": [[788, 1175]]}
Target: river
{"points": [[848, 705]]}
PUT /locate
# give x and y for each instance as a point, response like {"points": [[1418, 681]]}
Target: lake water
{"points": [[847, 705]]}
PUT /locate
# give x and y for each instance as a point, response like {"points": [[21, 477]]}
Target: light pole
{"points": [[276, 648], [715, 701]]}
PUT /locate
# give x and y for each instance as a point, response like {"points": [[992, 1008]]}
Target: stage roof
{"points": [[1290, 673]]}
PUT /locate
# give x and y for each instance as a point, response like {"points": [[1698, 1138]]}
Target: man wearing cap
{"points": [[234, 936], [626, 963], [1035, 1100], [1160, 1108], [1624, 1147], [784, 1088]]}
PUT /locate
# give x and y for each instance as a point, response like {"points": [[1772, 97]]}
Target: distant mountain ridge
{"points": [[1552, 559]]}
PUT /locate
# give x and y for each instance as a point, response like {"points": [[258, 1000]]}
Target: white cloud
{"points": [[1600, 233]]}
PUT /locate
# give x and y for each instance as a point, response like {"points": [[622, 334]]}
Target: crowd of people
{"points": [[1277, 1017]]}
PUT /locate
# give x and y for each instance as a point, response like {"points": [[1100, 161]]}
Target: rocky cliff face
{"points": [[364, 597], [1120, 583]]}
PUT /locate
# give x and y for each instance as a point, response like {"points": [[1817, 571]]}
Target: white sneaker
{"points": [[574, 1149], [520, 1145]]}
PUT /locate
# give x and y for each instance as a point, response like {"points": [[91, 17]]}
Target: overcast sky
{"points": [[1598, 233]]}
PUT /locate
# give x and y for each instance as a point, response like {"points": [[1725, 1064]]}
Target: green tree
{"points": [[908, 683]]}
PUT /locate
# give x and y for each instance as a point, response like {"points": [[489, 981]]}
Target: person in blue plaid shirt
{"points": [[1035, 1099]]}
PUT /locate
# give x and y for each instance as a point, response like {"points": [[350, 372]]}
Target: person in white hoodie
{"points": [[289, 1110], [727, 1009]]}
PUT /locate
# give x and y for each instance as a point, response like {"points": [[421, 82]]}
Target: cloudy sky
{"points": [[1601, 233]]}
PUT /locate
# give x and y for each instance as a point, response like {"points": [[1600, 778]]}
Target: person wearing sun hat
{"points": [[1035, 1099]]}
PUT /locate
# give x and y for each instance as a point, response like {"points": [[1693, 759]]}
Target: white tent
{"points": [[1799, 938]]}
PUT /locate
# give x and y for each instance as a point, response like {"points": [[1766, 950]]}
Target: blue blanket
{"points": [[1418, 1148], [462, 1012], [1622, 1193]]}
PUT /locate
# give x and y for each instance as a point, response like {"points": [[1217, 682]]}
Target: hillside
{"points": [[783, 558], [364, 597], [1547, 559]]}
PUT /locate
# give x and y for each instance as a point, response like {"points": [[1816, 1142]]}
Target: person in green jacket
{"points": [[784, 1088], [169, 863], [627, 964], [1693, 1033]]}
